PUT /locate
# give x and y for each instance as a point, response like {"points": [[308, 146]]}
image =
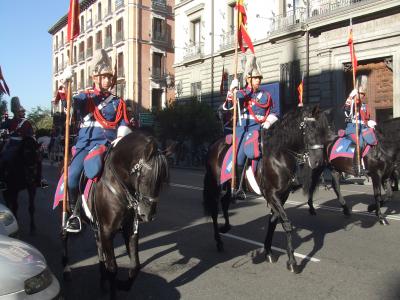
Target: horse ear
{"points": [[329, 114], [150, 149]]}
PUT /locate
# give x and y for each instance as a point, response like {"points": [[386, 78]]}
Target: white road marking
{"points": [[313, 259], [186, 186]]}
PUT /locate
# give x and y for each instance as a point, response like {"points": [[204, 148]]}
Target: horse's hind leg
{"points": [[376, 182], [336, 188], [32, 194], [11, 198], [314, 182], [225, 201], [65, 259], [102, 267], [272, 222], [111, 264]]}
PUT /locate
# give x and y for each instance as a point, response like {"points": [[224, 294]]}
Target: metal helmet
{"points": [[361, 83], [16, 106], [101, 63], [253, 68]]}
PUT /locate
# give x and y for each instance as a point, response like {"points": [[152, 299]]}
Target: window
{"points": [[62, 38], [108, 40], [196, 90], [99, 40], [89, 20], [82, 24], [56, 42], [56, 65], [231, 18], [156, 99], [109, 8], [158, 25], [89, 47], [81, 51], [120, 65], [99, 12], [89, 77], [120, 30], [62, 61], [289, 79], [196, 35], [82, 82], [157, 65], [75, 58]]}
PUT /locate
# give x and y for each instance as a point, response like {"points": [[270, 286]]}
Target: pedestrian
{"points": [[103, 121]]}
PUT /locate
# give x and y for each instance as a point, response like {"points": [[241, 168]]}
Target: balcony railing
{"points": [[194, 50], [323, 7], [88, 24], [98, 46], [81, 56], [119, 4], [159, 4], [283, 22], [227, 40], [119, 36], [89, 52], [107, 42], [159, 36]]}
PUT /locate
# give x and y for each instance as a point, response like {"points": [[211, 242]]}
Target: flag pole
{"points": [[67, 117], [356, 113], [235, 102]]}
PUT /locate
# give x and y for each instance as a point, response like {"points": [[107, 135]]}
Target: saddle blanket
{"points": [[344, 147], [59, 195], [226, 169]]}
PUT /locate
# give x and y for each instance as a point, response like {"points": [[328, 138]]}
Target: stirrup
{"points": [[44, 184], [74, 226], [239, 194]]}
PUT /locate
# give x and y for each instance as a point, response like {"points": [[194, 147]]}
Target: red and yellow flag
{"points": [[73, 20], [300, 90], [352, 51], [243, 36]]}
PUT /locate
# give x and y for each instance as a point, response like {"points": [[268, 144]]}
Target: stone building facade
{"points": [[291, 39], [143, 54]]}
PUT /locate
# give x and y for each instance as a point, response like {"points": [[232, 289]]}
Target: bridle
{"points": [[305, 156]]}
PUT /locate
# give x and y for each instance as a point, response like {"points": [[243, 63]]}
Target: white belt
{"points": [[251, 117], [16, 138], [87, 124], [359, 122]]}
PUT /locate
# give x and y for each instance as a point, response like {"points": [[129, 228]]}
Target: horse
{"points": [[300, 134], [21, 172], [126, 193], [380, 164]]}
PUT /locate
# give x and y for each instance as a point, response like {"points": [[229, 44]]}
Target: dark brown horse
{"points": [[126, 194], [21, 172], [380, 164], [301, 134]]}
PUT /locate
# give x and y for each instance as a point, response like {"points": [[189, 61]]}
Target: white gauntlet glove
{"points": [[353, 93], [66, 75], [234, 85], [371, 123], [121, 132], [271, 119]]}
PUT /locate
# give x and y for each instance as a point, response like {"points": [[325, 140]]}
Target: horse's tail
{"points": [[211, 191]]}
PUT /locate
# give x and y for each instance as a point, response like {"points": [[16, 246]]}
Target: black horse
{"points": [[380, 163], [126, 194], [22, 172], [300, 134]]}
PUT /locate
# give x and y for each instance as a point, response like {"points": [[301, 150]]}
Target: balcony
{"points": [[107, 42], [159, 36], [194, 51], [81, 56], [119, 36], [289, 21], [227, 40], [119, 4], [159, 4]]}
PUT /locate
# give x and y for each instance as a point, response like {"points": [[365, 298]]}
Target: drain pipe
{"points": [[212, 54]]}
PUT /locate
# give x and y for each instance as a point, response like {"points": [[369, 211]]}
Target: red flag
{"points": [[243, 36], [3, 87], [73, 13], [223, 78], [352, 51]]}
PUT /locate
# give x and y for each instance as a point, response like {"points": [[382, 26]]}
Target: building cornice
{"points": [[83, 5]]}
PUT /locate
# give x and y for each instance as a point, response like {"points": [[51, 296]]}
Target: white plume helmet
{"points": [[101, 63], [361, 83], [253, 68]]}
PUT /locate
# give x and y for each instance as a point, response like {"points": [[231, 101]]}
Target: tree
{"points": [[41, 120]]}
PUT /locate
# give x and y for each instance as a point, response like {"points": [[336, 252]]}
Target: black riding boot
{"points": [[238, 193], [74, 223]]}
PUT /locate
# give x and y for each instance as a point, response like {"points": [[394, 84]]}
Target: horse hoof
{"points": [[292, 268], [371, 207], [270, 258], [383, 222], [346, 211], [312, 211], [225, 228]]}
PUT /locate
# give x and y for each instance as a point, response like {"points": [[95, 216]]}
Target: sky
{"points": [[26, 48]]}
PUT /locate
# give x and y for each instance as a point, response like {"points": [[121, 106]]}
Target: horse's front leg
{"points": [[11, 198], [100, 255], [32, 195], [376, 182], [65, 258], [316, 173], [336, 188], [272, 222], [131, 238], [106, 238]]}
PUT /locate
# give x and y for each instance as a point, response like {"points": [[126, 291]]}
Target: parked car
{"points": [[9, 225], [24, 273]]}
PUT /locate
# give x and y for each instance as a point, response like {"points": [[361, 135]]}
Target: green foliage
{"points": [[3, 105], [190, 121], [41, 120]]}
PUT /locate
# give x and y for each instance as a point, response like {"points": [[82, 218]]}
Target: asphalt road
{"points": [[341, 258]]}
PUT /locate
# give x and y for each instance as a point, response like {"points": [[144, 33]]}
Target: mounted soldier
{"points": [[256, 111], [103, 122], [356, 111]]}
